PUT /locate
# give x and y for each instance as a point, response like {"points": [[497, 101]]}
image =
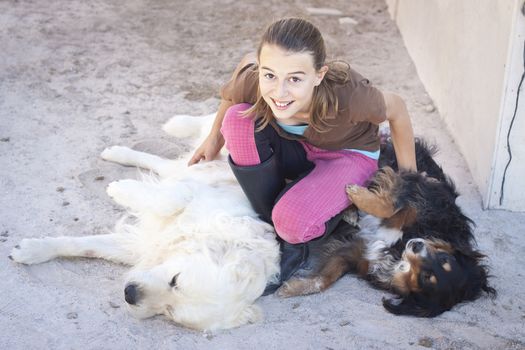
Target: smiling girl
{"points": [[299, 129]]}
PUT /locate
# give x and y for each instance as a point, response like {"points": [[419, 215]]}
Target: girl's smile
{"points": [[280, 105]]}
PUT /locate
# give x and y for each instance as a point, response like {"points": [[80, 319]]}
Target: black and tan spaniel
{"points": [[416, 242]]}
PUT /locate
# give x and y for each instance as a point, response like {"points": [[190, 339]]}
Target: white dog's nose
{"points": [[130, 294]]}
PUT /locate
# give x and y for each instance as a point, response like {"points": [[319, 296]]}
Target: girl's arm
{"points": [[401, 131], [213, 143]]}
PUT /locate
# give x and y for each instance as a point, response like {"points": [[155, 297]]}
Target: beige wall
{"points": [[461, 50]]}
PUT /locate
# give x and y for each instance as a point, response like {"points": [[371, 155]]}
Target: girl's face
{"points": [[287, 81]]}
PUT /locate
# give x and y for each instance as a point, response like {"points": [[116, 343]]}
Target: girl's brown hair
{"points": [[299, 35]]}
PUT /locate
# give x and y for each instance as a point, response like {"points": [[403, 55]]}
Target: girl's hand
{"points": [[209, 149], [401, 131]]}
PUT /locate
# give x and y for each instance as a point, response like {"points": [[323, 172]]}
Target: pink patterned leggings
{"points": [[303, 209]]}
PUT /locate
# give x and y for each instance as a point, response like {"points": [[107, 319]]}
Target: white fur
{"points": [[188, 126], [372, 230], [378, 240], [192, 221], [389, 235]]}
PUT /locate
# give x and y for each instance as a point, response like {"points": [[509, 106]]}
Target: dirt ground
{"points": [[78, 76]]}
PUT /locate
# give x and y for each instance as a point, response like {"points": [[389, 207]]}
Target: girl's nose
{"points": [[282, 91]]}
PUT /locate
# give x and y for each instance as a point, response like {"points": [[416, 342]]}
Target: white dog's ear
{"points": [[243, 270], [249, 278]]}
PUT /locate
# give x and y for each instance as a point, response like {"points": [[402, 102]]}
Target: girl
{"points": [[298, 130]]}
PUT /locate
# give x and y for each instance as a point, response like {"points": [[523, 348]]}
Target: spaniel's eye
{"points": [[445, 262], [427, 276], [173, 282], [442, 257]]}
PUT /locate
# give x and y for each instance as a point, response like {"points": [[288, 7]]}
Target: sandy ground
{"points": [[78, 76]]}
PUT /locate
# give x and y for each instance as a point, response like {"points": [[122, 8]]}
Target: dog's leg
{"points": [[336, 267], [127, 156], [376, 204], [162, 200], [38, 250], [351, 215]]}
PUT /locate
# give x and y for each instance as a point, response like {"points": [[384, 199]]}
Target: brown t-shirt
{"points": [[354, 126]]}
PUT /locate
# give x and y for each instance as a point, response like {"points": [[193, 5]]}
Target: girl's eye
{"points": [[295, 79], [173, 282], [269, 76]]}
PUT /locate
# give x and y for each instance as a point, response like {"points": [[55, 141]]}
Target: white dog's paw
{"points": [[33, 251], [125, 192], [182, 126], [117, 154]]}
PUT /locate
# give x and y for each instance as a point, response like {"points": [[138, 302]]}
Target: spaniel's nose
{"points": [[130, 294]]}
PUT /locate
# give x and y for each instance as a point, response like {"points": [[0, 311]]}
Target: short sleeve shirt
{"points": [[361, 107]]}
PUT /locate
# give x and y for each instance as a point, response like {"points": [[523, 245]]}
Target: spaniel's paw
{"points": [[33, 251], [284, 291], [358, 195], [299, 286], [354, 190]]}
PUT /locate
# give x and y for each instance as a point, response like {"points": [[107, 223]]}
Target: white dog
{"points": [[200, 255]]}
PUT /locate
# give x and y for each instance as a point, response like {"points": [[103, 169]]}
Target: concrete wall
{"points": [[465, 53]]}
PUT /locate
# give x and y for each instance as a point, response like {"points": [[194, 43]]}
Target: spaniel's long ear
{"points": [[477, 275], [412, 307]]}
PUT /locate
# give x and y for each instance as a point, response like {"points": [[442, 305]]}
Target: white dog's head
{"points": [[202, 284]]}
